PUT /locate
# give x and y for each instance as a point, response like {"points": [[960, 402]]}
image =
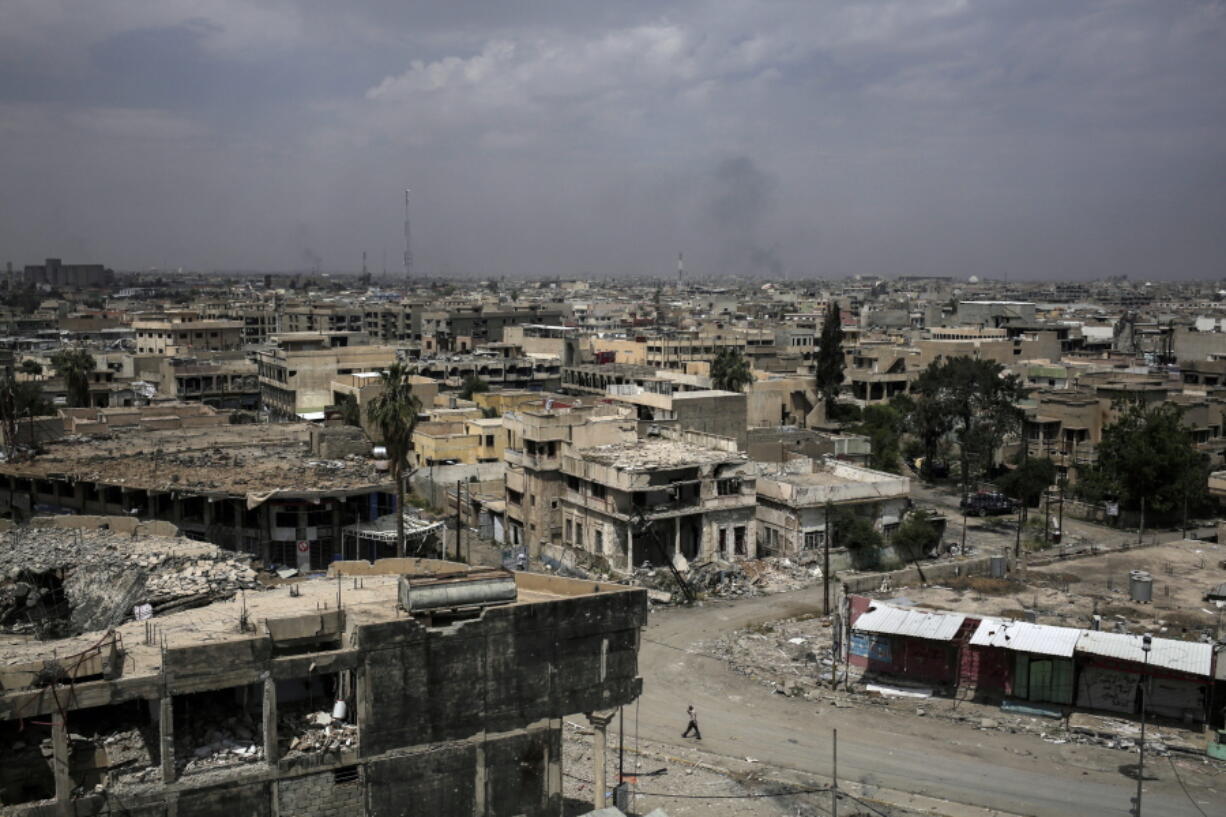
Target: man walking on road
{"points": [[693, 723]]}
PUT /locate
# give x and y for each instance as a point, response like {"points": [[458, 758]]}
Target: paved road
{"points": [[1018, 774]]}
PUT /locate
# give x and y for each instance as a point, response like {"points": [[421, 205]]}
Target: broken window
{"points": [[728, 487], [721, 541], [738, 539], [314, 714], [218, 728], [599, 491], [813, 539]]}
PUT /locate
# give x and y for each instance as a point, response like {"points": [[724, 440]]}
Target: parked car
{"points": [[987, 503]]}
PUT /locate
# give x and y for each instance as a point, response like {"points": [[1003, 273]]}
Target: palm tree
{"points": [[76, 366], [394, 413], [730, 370]]}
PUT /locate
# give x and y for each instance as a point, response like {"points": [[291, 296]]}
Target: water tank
{"points": [[379, 452], [999, 566], [1140, 586], [475, 588]]}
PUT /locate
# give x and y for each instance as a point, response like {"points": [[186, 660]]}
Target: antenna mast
{"points": [[680, 267], [408, 242]]}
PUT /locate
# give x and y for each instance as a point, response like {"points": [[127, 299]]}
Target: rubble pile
{"points": [[317, 732], [55, 582], [794, 657], [721, 579], [219, 742]]}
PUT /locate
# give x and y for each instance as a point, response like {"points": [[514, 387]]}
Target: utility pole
{"points": [[826, 560], [834, 776], [1146, 642], [1141, 529], [1060, 518], [458, 522]]}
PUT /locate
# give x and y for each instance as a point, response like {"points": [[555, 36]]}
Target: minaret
{"points": [[680, 267]]}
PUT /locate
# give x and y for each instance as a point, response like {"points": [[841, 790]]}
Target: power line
{"points": [[1195, 805]]}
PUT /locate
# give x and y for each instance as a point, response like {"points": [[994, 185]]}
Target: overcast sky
{"points": [[1035, 138]]}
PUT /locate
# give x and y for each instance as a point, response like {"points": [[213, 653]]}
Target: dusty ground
{"points": [[686, 781]]}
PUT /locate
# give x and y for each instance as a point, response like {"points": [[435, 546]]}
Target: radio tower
{"points": [[680, 267], [408, 242]]}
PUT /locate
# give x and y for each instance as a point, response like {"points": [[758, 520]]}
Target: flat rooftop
{"points": [[228, 459], [649, 455], [374, 599]]}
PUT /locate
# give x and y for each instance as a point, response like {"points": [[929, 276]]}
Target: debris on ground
{"points": [[56, 582]]}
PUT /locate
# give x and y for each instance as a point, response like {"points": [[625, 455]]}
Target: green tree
{"points": [[730, 370], [883, 425], [76, 366], [976, 401], [856, 533], [916, 536], [31, 367], [830, 360], [1149, 453], [1027, 482], [473, 385], [394, 413], [20, 400], [351, 413]]}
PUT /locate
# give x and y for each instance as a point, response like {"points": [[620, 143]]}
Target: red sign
{"points": [[304, 546]]}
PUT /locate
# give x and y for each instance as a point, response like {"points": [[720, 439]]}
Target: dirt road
{"points": [[1016, 774]]}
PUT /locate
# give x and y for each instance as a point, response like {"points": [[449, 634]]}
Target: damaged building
{"points": [[282, 492], [659, 500], [403, 686]]}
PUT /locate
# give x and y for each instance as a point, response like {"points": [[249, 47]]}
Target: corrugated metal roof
{"points": [[882, 618], [1183, 656], [1022, 636]]}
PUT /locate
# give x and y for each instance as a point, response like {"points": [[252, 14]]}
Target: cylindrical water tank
{"points": [[379, 452], [339, 710], [999, 566], [1140, 586]]}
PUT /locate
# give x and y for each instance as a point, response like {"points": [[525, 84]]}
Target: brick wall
{"points": [[319, 795]]}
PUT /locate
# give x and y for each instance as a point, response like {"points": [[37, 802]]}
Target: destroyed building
{"points": [[254, 488], [659, 500], [406, 686], [794, 502]]}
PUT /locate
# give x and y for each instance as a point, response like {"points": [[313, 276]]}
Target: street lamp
{"points": [[1146, 644]]}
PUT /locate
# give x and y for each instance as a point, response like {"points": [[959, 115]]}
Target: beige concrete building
{"points": [[185, 336], [793, 502], [457, 442], [658, 405], [535, 437], [659, 500], [297, 371]]}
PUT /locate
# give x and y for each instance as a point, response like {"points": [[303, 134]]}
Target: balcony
{"points": [[537, 462]]}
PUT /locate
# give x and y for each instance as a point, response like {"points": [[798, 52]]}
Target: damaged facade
{"points": [[323, 697], [254, 488], [659, 500]]}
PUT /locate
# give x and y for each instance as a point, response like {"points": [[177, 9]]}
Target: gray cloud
{"points": [[1038, 139]]}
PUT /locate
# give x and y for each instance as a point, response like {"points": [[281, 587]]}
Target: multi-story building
{"points": [[223, 380], [222, 719], [793, 504], [54, 272], [297, 370], [535, 436], [659, 500], [185, 336]]}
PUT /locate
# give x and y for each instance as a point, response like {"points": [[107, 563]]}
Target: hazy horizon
{"points": [[1035, 141]]}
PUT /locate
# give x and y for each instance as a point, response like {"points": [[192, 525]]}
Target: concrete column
{"points": [[676, 535], [270, 720], [553, 762], [629, 549], [166, 724], [600, 725], [59, 748]]}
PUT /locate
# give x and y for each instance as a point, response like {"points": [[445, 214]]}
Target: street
{"points": [[1015, 774]]}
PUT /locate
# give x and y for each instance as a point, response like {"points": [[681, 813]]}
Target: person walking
{"points": [[693, 725]]}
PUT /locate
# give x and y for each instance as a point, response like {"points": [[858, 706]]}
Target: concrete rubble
{"points": [[57, 581], [316, 732]]}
